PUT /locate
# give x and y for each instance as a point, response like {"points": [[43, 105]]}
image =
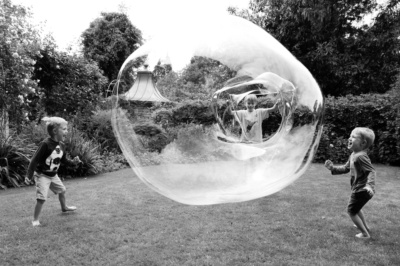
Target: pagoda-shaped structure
{"points": [[143, 94]]}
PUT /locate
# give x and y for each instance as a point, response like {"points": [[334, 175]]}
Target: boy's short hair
{"points": [[53, 123], [251, 98], [366, 134]]}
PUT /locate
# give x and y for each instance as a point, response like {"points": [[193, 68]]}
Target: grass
{"points": [[120, 221]]}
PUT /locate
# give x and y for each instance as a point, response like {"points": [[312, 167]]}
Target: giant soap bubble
{"points": [[212, 163]]}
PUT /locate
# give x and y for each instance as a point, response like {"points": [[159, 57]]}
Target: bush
{"points": [[34, 133], [15, 151], [343, 114], [98, 128], [87, 150], [163, 117], [112, 161], [379, 112], [152, 137], [197, 112]]}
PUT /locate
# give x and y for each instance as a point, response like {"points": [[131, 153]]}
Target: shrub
{"points": [[152, 137], [112, 161], [34, 133], [87, 150], [379, 112], [197, 112], [163, 117], [14, 150], [98, 128], [343, 114], [147, 129]]}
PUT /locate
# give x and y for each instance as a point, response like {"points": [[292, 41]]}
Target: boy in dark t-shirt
{"points": [[362, 176], [45, 164]]}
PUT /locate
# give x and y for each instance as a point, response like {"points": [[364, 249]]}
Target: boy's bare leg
{"points": [[64, 207], [359, 223], [361, 215], [38, 210]]}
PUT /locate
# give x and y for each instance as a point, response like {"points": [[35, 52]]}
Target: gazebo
{"points": [[143, 94]]}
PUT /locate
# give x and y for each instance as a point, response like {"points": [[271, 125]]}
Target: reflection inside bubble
{"points": [[231, 149]]}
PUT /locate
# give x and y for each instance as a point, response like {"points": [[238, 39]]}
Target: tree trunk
{"points": [[4, 126]]}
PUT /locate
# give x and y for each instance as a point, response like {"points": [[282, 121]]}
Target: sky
{"points": [[66, 20]]}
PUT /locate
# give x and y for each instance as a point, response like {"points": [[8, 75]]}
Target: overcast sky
{"points": [[66, 20]]}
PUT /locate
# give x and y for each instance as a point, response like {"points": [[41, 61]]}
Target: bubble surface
{"points": [[219, 161]]}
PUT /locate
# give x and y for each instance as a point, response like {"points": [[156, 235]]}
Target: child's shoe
{"points": [[35, 223], [69, 209], [362, 236]]}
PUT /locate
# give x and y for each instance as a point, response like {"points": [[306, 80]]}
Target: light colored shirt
{"points": [[251, 123]]}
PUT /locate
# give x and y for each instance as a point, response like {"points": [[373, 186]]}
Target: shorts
{"points": [[44, 183], [357, 201]]}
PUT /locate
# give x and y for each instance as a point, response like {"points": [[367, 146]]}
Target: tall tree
{"points": [[19, 43], [382, 46], [109, 40], [326, 37]]}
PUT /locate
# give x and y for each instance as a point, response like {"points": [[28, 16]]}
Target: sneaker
{"points": [[35, 223], [361, 236], [69, 209]]}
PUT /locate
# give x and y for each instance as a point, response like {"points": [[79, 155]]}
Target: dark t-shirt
{"points": [[361, 170], [48, 158]]}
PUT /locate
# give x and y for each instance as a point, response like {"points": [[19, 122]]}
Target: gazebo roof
{"points": [[144, 89]]}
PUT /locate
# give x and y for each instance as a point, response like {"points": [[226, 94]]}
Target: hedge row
{"points": [[378, 112], [342, 114]]}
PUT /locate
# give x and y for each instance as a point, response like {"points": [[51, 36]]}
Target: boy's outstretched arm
{"points": [[275, 107], [340, 169]]}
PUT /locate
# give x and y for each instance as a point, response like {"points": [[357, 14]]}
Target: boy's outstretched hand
{"points": [[27, 181], [329, 164]]}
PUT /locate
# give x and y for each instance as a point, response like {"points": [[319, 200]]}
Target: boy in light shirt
{"points": [[251, 119]]}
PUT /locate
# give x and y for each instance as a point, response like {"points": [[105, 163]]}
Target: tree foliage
{"points": [[69, 84], [326, 36], [198, 81], [19, 43], [109, 40]]}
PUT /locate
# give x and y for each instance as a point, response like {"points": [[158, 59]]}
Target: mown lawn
{"points": [[122, 222]]}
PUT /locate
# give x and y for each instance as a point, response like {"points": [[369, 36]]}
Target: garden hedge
{"points": [[379, 112]]}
